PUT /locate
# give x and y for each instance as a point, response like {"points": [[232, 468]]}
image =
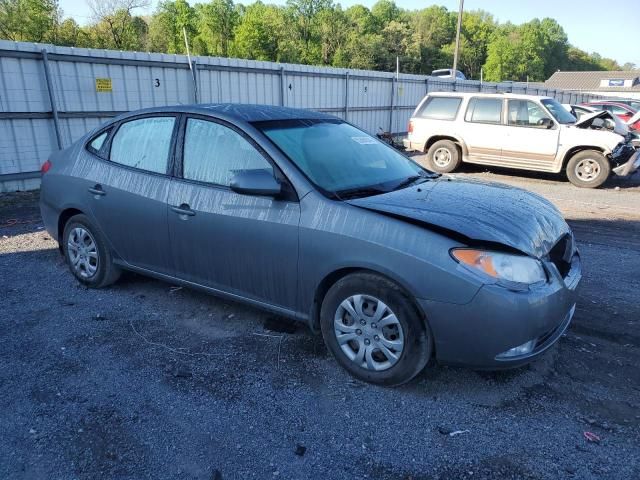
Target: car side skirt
{"points": [[218, 293]]}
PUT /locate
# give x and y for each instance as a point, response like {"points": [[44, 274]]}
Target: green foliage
{"points": [[317, 32], [28, 20]]}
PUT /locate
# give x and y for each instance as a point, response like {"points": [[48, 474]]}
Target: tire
{"points": [[407, 329], [588, 169], [92, 266], [443, 156]]}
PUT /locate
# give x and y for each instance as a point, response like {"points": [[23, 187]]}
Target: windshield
{"points": [[558, 111], [340, 159]]}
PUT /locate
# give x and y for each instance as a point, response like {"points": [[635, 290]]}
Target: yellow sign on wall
{"points": [[103, 85]]}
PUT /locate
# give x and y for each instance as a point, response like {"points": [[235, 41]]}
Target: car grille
{"points": [[561, 254]]}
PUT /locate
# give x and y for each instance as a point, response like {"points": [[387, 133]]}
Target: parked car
{"points": [[304, 215], [633, 103], [622, 111], [448, 73], [516, 131]]}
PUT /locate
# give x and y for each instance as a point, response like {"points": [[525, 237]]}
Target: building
{"points": [[611, 84]]}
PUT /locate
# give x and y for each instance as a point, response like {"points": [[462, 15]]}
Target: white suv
{"points": [[517, 131]]}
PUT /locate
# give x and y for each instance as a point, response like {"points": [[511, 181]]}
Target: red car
{"points": [[623, 111]]}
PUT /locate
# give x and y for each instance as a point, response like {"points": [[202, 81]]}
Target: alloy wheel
{"points": [[368, 332], [83, 252]]}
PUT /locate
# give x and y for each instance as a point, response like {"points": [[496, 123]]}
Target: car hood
{"points": [[620, 127], [479, 211], [586, 119]]}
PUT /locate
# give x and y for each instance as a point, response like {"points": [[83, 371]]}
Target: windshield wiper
{"points": [[411, 180], [359, 192]]}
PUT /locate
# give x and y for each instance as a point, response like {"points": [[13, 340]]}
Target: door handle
{"points": [[183, 209], [97, 190]]}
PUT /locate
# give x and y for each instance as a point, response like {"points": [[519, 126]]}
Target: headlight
{"points": [[502, 266]]}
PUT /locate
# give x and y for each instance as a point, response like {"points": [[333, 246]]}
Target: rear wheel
{"points": [[373, 330], [87, 254], [588, 169], [443, 156]]}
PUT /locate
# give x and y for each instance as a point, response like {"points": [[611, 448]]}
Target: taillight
{"points": [[410, 127], [46, 166]]}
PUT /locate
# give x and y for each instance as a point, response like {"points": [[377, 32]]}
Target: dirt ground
{"points": [[144, 380]]}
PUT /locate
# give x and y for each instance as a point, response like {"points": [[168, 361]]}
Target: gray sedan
{"points": [[304, 215]]}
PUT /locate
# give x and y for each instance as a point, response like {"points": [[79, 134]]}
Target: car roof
{"points": [[489, 95], [238, 112], [609, 102]]}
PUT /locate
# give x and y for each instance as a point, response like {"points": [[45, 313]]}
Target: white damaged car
{"points": [[518, 131]]}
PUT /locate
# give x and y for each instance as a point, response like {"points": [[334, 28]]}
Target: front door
{"points": [[129, 191], [241, 244], [528, 142]]}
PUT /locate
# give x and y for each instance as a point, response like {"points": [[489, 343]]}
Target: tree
{"points": [[433, 28], [305, 16], [166, 27], [216, 22], [115, 25], [332, 29], [28, 20], [70, 34], [261, 34], [384, 12], [317, 32], [556, 46]]}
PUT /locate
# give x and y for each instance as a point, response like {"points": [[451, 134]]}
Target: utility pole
{"points": [[455, 54]]}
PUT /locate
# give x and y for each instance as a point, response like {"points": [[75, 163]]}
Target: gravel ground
{"points": [[143, 380]]}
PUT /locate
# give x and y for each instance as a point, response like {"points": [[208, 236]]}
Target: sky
{"points": [[579, 18]]}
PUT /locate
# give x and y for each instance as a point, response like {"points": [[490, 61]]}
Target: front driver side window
{"points": [[213, 153], [524, 113]]}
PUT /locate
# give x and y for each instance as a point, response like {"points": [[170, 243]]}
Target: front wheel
{"points": [[588, 169], [374, 331]]}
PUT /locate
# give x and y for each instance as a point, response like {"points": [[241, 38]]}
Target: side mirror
{"points": [[546, 123], [256, 182]]}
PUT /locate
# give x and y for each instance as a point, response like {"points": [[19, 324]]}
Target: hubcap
{"points": [[368, 332], [587, 170], [83, 252], [442, 157]]}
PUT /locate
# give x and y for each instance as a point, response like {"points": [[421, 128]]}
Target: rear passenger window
{"points": [[440, 108], [144, 143], [484, 110], [213, 153]]}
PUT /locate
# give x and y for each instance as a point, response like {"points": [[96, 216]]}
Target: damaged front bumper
{"points": [[625, 159], [501, 328]]}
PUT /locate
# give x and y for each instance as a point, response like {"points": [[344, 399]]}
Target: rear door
{"points": [[527, 142], [483, 129], [241, 244], [128, 190]]}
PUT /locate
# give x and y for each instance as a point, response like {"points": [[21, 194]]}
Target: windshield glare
{"points": [[339, 158], [558, 111]]}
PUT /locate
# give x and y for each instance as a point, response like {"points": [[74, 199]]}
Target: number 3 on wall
{"points": [[156, 82]]}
